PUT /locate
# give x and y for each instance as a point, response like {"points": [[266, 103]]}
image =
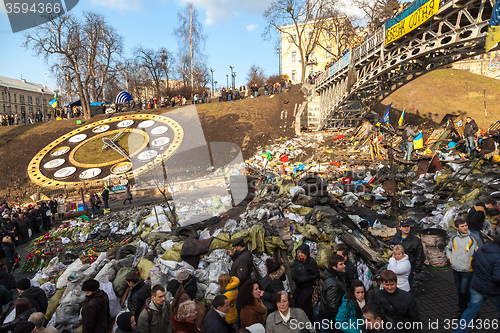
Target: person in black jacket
{"points": [[214, 321], [475, 216], [351, 273], [242, 261], [470, 129], [272, 282], [305, 272], [398, 305], [53, 208], [22, 225], [35, 295], [96, 317], [23, 312], [9, 249], [45, 219], [487, 146], [188, 281], [6, 279], [139, 293], [105, 197], [413, 248], [333, 288]]}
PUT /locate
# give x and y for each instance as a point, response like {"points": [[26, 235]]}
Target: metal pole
{"points": [[232, 76], [227, 81], [211, 70], [278, 50]]}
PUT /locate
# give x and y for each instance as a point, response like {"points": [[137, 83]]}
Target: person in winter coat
{"points": [[53, 208], [9, 249], [272, 282], [350, 311], [23, 312], [470, 130], [242, 261], [214, 320], [229, 288], [95, 310], [184, 320], [61, 206], [351, 273], [23, 224], [460, 250], [35, 295], [376, 321], [126, 323], [6, 279], [253, 311], [486, 147], [188, 281], [397, 304], [38, 319], [139, 293], [485, 282], [128, 195], [44, 209], [105, 197], [476, 215], [400, 264], [155, 315], [412, 245], [180, 296], [333, 288], [305, 272], [408, 136], [285, 319]]}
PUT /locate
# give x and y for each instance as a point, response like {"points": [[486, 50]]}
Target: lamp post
{"points": [[233, 79], [227, 81], [215, 85], [211, 70], [232, 76], [278, 51]]}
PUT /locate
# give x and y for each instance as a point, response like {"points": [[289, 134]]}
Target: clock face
{"points": [[123, 145]]}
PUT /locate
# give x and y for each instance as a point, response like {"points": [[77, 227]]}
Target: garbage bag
{"points": [[471, 196], [69, 307], [157, 276], [296, 190], [301, 210], [325, 251], [76, 267], [174, 253], [114, 302], [96, 266], [144, 267], [434, 243], [272, 243], [308, 231], [54, 267], [142, 250], [245, 234], [49, 288], [221, 241], [108, 272], [119, 283], [54, 303], [257, 235]]}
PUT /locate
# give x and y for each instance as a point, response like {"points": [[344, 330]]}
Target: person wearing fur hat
{"points": [[184, 320], [35, 295], [485, 282], [272, 282], [96, 317], [242, 261], [188, 281]]}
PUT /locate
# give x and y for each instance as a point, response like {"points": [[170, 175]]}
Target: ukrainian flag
{"points": [[53, 102], [418, 141], [493, 35], [385, 118], [400, 122]]}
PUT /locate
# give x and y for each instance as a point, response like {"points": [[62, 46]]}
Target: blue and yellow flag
{"points": [[418, 141], [385, 117], [493, 35], [401, 119], [53, 102]]}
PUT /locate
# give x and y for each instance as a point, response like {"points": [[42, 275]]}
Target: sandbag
{"points": [[53, 304], [245, 234], [107, 272], [272, 243], [114, 302], [157, 276], [144, 267], [434, 243], [76, 267], [120, 284], [310, 232], [325, 251], [257, 236], [174, 253], [69, 307], [221, 241]]}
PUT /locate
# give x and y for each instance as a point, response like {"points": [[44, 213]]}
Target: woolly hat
{"points": [[23, 284], [239, 242], [182, 274], [124, 322], [24, 327], [272, 265], [90, 285]]}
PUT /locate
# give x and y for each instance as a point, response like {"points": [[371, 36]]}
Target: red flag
{"points": [[284, 158]]}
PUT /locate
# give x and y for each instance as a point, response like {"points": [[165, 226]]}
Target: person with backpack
{"points": [[155, 314]]}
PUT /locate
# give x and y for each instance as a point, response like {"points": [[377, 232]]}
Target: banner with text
{"points": [[410, 21], [340, 64]]}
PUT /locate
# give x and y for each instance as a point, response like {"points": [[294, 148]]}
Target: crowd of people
{"points": [[335, 300], [39, 117]]}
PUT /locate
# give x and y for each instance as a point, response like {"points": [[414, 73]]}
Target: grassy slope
{"points": [[447, 91]]}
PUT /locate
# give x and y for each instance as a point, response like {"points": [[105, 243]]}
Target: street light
{"points": [[227, 81], [232, 75], [215, 85], [211, 70], [233, 78], [278, 51]]}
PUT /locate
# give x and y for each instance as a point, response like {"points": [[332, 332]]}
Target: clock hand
{"points": [[114, 138], [109, 143]]}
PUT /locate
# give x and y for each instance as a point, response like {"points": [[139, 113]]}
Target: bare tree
{"points": [[376, 10], [339, 29], [151, 61], [82, 50], [167, 63], [301, 21], [256, 76], [191, 42]]}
